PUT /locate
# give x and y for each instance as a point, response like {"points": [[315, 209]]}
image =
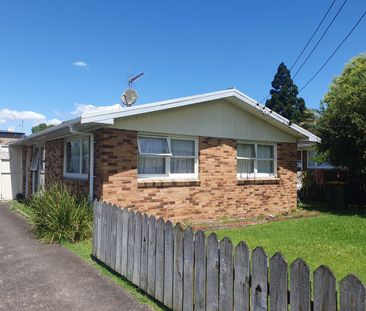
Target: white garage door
{"points": [[10, 172]]}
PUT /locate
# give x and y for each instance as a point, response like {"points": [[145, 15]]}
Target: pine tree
{"points": [[284, 98]]}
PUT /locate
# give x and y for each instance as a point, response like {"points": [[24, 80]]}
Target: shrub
{"points": [[61, 216]]}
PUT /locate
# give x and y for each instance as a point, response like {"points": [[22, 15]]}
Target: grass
{"points": [[83, 249], [335, 239]]}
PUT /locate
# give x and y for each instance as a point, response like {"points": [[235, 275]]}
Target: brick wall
{"points": [[217, 195], [54, 167]]}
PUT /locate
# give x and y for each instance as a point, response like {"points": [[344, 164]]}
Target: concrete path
{"points": [[36, 276]]}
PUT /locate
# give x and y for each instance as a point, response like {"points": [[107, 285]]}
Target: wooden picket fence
{"points": [[184, 270]]}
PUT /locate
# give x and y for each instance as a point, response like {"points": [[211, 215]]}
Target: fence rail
{"points": [[187, 271]]}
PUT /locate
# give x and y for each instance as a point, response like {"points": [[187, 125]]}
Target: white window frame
{"points": [[317, 165], [79, 175], [168, 157], [256, 174]]}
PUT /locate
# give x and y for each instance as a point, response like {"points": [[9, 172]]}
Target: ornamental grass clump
{"points": [[61, 216]]}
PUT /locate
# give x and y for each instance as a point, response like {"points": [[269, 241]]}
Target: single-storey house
{"points": [[198, 158]]}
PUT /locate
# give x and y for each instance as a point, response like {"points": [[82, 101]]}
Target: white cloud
{"points": [[82, 108], [54, 121], [11, 129], [81, 64], [8, 114]]}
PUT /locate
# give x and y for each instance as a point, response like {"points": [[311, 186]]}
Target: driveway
{"points": [[36, 276]]}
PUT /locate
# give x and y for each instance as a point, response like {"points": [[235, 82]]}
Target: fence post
{"points": [[325, 295], [242, 277], [200, 271], [278, 283], [259, 280], [353, 294], [212, 273], [124, 243], [119, 240]]}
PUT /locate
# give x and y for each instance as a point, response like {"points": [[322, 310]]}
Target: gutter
{"points": [[91, 164]]}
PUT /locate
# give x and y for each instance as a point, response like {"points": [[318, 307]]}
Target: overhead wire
{"points": [[334, 52]]}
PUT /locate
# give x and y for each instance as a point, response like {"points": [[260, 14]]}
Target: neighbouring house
{"points": [[10, 165], [198, 158]]}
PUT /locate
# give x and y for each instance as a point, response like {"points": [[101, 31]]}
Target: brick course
{"points": [[218, 194]]}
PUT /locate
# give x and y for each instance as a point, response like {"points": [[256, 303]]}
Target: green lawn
{"points": [[337, 240]]}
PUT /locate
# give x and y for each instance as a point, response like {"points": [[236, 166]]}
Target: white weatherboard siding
{"points": [[218, 118], [10, 172]]}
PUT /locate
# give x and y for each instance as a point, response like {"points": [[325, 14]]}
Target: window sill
{"points": [[167, 183], [259, 181], [76, 176]]}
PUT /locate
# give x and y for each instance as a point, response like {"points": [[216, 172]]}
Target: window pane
{"points": [[265, 152], [151, 165], [85, 155], [245, 166], [265, 166], [73, 157], [182, 147], [182, 166], [246, 151], [152, 145]]}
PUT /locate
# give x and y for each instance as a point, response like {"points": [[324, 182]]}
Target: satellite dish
{"points": [[129, 97]]}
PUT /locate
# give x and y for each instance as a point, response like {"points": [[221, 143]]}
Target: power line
{"points": [[312, 36], [321, 38], [334, 52]]}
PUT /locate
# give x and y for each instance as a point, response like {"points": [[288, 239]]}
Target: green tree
{"points": [[284, 98], [342, 127], [40, 127]]}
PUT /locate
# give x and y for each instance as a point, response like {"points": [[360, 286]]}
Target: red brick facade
{"points": [[216, 195]]}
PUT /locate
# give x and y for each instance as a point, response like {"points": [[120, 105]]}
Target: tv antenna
{"points": [[129, 96]]}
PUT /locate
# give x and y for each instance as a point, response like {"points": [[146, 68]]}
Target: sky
{"points": [[61, 58]]}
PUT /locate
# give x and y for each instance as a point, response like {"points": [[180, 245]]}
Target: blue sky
{"points": [[59, 57]]}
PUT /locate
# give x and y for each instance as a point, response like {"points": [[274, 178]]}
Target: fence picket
{"points": [[278, 283], [242, 277], [113, 245], [137, 250], [99, 228], [188, 261], [144, 251], [325, 296], [200, 271], [151, 256], [124, 243], [212, 273], [178, 268], [109, 237], [104, 232], [226, 275], [119, 239], [130, 245], [353, 294], [168, 264], [95, 228], [159, 274], [299, 286], [259, 280]]}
